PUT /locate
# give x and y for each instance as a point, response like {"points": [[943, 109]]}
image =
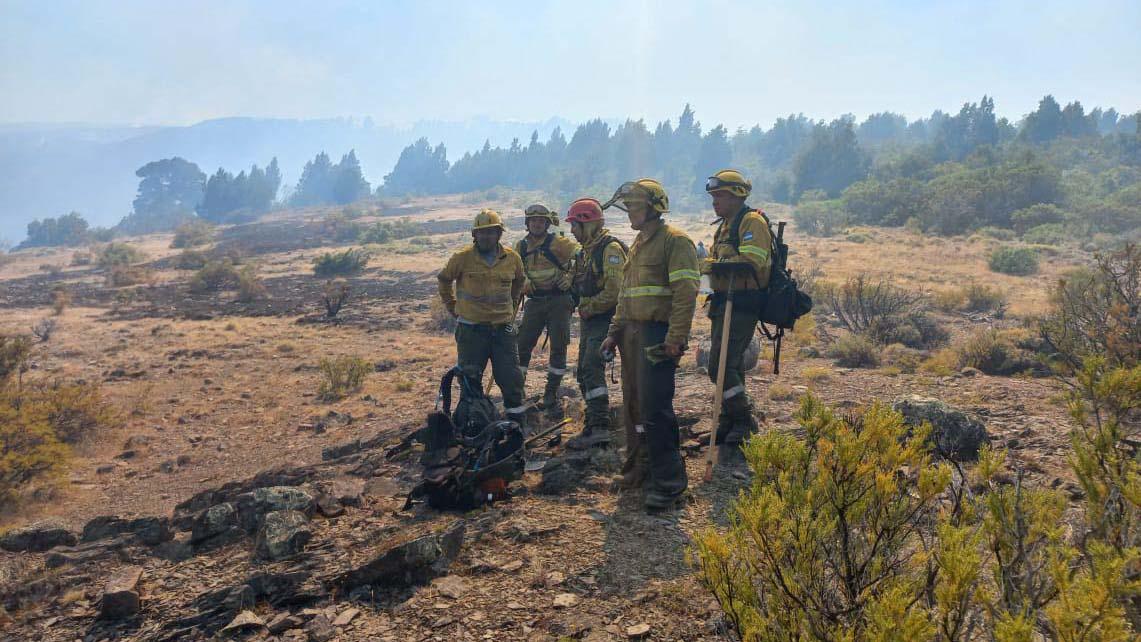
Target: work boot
{"points": [[724, 424], [656, 501], [521, 419], [731, 461], [634, 469], [590, 437], [551, 406]]}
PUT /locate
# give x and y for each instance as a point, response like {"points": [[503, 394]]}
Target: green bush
{"points": [[215, 276], [192, 234], [820, 218], [995, 352], [190, 260], [1047, 234], [349, 261], [855, 351], [119, 254], [342, 376], [1018, 261], [1035, 215]]}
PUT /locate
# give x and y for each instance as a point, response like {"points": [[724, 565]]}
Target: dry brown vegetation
{"points": [[232, 381]]}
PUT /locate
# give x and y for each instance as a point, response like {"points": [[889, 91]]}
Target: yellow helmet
{"points": [[729, 180], [487, 218], [643, 190], [540, 210]]}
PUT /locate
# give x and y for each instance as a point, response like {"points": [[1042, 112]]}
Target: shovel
{"points": [[721, 269]]}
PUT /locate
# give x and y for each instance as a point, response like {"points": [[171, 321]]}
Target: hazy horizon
{"points": [[134, 64]]}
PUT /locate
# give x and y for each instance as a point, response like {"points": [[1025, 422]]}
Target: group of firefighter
{"points": [[638, 302]]}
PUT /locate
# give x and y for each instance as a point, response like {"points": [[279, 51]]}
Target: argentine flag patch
{"points": [[747, 237], [615, 260]]}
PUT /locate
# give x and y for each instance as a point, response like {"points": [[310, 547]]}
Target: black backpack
{"points": [[782, 302], [470, 456]]}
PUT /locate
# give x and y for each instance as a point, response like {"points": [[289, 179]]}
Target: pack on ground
{"points": [[470, 455]]}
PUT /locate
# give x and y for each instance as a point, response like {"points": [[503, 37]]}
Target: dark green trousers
{"points": [[736, 421], [551, 313], [476, 344], [591, 371]]}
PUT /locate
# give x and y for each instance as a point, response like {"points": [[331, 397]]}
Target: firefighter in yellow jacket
{"points": [[547, 261], [482, 286], [743, 236], [651, 331]]}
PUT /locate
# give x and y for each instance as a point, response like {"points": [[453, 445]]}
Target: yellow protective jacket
{"points": [[660, 282], [540, 271], [483, 293], [608, 275], [755, 244]]}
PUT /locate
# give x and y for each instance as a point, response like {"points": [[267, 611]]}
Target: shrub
{"points": [[440, 320], [917, 329], [192, 234], [781, 392], [342, 376], [215, 276], [1097, 312], [999, 233], [119, 254], [854, 533], [1036, 215], [993, 352], [1049, 234], [820, 218], [906, 360], [1018, 261], [82, 258], [14, 352], [859, 304], [340, 227], [43, 329], [331, 264], [816, 374], [190, 260], [334, 296], [250, 287], [119, 276], [61, 298], [854, 351]]}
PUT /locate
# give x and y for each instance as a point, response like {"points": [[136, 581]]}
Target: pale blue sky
{"points": [[737, 63]]}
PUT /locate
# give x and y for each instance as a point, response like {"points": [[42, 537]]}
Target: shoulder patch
{"points": [[747, 236], [615, 260]]}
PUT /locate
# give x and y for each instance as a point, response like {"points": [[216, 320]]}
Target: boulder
{"points": [[954, 434], [412, 563], [254, 506], [283, 533], [36, 538], [151, 531], [220, 519], [121, 594]]}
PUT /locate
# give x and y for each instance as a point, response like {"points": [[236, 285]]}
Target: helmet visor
{"points": [[712, 184], [628, 191], [537, 210]]}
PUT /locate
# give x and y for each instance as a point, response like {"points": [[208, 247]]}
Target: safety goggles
{"points": [[629, 191], [536, 210], [713, 183]]}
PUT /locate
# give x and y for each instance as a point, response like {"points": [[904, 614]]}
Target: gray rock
{"points": [[254, 506], [748, 361], [282, 622], [214, 521], [36, 538], [319, 629], [954, 435], [148, 530], [283, 533], [411, 563]]}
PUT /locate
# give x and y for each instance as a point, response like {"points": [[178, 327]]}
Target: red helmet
{"points": [[584, 210]]}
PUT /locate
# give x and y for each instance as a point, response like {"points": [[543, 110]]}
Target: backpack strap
{"points": [[596, 255], [544, 249], [735, 232], [445, 395]]}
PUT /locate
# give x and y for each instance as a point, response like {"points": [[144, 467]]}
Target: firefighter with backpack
{"points": [[596, 282], [743, 237], [547, 261]]}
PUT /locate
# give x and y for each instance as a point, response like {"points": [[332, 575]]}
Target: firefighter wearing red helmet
{"points": [[597, 282]]}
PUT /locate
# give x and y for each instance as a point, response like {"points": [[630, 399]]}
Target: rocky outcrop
{"points": [[412, 563], [283, 534], [37, 538], [954, 434]]}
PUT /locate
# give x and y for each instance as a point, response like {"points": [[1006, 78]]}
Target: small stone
{"points": [[451, 586], [319, 629], [515, 606], [284, 533], [283, 622], [242, 621], [346, 616], [120, 594], [512, 566], [565, 600], [555, 578], [637, 631]]}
